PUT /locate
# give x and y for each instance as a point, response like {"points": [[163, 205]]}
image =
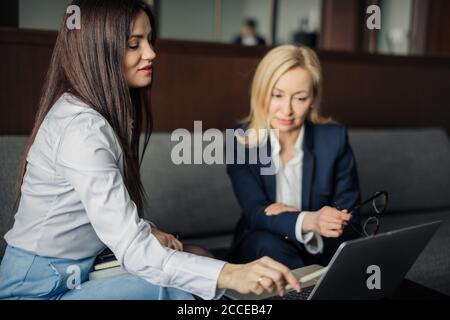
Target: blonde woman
{"points": [[299, 214]]}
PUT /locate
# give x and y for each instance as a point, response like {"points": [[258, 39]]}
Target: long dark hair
{"points": [[88, 63]]}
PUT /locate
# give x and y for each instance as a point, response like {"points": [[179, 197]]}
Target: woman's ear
{"points": [[311, 106], [313, 101]]}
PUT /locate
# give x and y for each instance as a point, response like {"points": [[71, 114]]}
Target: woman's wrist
{"points": [[309, 222], [225, 276]]}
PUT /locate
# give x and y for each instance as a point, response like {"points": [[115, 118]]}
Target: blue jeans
{"points": [[24, 275]]}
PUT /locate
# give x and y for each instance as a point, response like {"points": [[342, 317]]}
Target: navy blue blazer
{"points": [[329, 178]]}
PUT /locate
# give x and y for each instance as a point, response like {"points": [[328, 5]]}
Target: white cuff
{"points": [[313, 241], [302, 237]]}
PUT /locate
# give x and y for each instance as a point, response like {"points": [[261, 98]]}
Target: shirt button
{"points": [[286, 237]]}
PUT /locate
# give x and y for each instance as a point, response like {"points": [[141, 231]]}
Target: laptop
{"points": [[364, 268]]}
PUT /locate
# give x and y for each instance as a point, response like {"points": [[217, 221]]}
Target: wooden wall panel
{"points": [[387, 91], [439, 28], [341, 25], [211, 82], [24, 60], [196, 86]]}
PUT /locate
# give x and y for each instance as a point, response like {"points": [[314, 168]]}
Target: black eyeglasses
{"points": [[371, 226]]}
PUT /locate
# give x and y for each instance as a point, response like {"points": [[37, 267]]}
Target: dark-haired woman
{"points": [[80, 188]]}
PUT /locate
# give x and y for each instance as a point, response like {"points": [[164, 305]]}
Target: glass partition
{"points": [[406, 25]]}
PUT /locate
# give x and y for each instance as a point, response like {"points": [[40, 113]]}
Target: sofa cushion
{"points": [[194, 200], [11, 149], [413, 165], [198, 201]]}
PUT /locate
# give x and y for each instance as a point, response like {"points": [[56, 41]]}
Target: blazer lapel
{"points": [[308, 166]]}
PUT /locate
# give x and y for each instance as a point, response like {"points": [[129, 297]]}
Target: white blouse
{"points": [[74, 202], [289, 189]]}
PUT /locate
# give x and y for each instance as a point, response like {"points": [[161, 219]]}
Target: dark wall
{"points": [[211, 82], [9, 13], [24, 59], [439, 28]]}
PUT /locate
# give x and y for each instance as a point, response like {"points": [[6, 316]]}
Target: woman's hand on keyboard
{"points": [[263, 275]]}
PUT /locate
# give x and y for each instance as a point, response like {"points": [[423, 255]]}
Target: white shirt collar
{"points": [[298, 147]]}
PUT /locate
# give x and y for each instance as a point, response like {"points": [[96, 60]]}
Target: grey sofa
{"points": [[197, 200]]}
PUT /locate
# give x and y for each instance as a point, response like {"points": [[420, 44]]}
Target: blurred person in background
{"points": [[249, 35]]}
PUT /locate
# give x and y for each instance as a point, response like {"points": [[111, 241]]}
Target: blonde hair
{"points": [[275, 63]]}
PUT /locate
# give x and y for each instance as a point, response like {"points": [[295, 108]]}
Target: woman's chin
{"points": [[286, 128], [141, 83], [139, 86]]}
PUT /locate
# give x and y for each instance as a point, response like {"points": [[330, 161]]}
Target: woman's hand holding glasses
{"points": [[328, 221]]}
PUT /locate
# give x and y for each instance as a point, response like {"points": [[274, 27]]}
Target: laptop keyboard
{"points": [[294, 295]]}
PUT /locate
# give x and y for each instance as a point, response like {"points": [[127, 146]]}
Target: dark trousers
{"points": [[260, 243]]}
